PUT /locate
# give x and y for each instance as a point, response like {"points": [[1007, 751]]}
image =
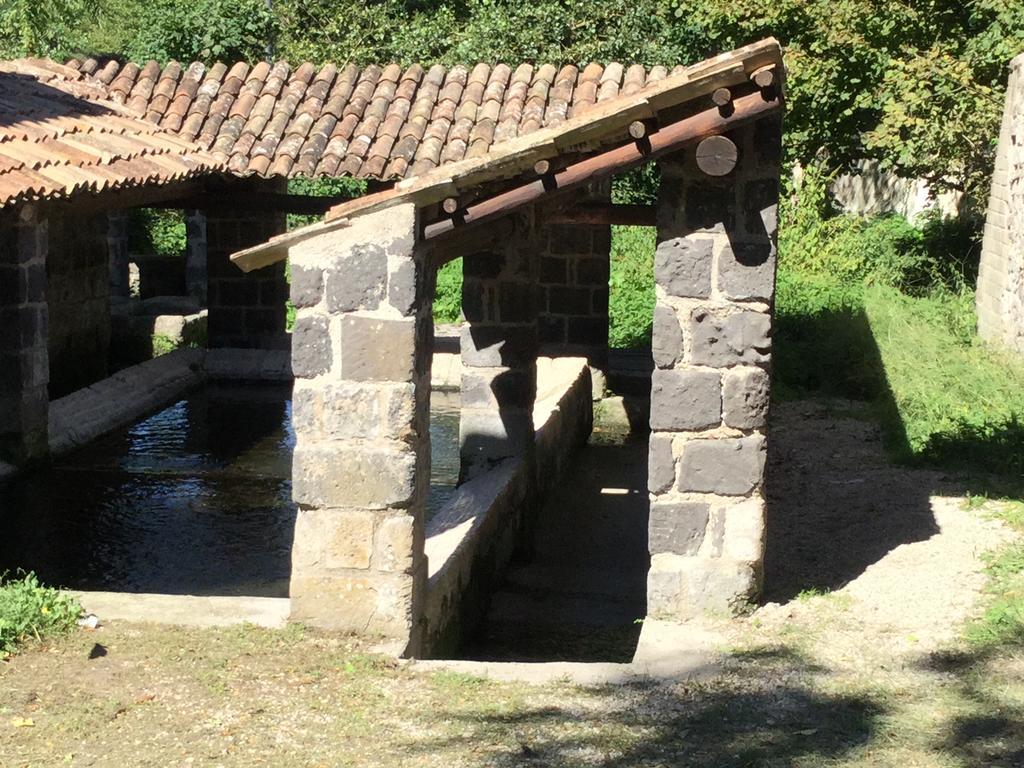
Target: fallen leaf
{"points": [[23, 722]]}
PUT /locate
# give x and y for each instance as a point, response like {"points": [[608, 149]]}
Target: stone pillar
{"points": [[117, 253], [715, 279], [195, 255], [361, 467], [246, 310], [1000, 294], [499, 352], [573, 272], [24, 361]]}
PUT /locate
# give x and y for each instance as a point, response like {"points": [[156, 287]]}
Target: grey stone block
{"points": [[731, 467], [661, 468], [402, 287], [339, 474], [747, 271], [511, 388], [722, 338], [311, 347], [667, 339], [761, 206], [307, 286], [494, 346], [373, 349], [745, 394], [682, 266], [677, 527], [357, 279], [685, 400]]}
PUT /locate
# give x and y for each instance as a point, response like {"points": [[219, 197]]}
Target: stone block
{"points": [[717, 587], [352, 410], [477, 305], [685, 400], [661, 467], [393, 548], [343, 474], [722, 337], [592, 271], [569, 239], [350, 543], [726, 466], [370, 604], [499, 388], [682, 266], [664, 585], [495, 346], [307, 286], [743, 537], [746, 271], [403, 286], [517, 302], [588, 331], [677, 527], [710, 207], [551, 329], [745, 397], [760, 206], [486, 265], [373, 349], [356, 280], [554, 270], [667, 338], [567, 300], [311, 346]]}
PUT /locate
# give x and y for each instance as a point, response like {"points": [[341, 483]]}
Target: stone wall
{"points": [[470, 542], [78, 293], [573, 273], [715, 280], [1000, 295], [361, 360], [24, 361], [246, 310]]}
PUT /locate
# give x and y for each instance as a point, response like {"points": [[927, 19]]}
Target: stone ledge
{"points": [[122, 398], [231, 364]]}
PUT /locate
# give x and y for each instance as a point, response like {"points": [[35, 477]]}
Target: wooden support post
{"points": [[716, 155], [763, 77], [721, 97], [450, 205]]}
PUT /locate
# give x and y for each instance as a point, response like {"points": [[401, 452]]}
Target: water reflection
{"points": [[195, 499]]}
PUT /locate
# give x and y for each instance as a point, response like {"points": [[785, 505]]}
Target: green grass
{"points": [[29, 610]]}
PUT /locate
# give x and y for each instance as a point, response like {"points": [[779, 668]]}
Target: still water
{"points": [[195, 499]]}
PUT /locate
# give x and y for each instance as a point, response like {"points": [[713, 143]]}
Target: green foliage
{"points": [[448, 293], [1002, 623], [30, 610], [198, 30], [37, 27], [343, 189], [157, 231], [631, 287]]}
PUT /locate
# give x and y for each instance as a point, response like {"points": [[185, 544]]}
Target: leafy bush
{"points": [[157, 231], [448, 293], [30, 610], [342, 188], [201, 30], [631, 287]]}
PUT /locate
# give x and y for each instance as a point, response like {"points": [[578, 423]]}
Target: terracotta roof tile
{"points": [[378, 122], [61, 135]]}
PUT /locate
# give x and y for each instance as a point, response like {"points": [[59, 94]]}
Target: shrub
{"points": [[448, 293], [631, 287], [30, 610], [157, 231]]}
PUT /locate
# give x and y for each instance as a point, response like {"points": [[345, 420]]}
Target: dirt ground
{"points": [[857, 659]]}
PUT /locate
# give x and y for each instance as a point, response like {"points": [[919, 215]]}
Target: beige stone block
{"points": [[393, 549], [349, 474], [350, 543], [372, 603], [744, 533]]}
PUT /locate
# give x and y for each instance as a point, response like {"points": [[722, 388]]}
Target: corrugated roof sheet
{"points": [[61, 136]]}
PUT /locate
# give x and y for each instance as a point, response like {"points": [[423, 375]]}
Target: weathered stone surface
{"points": [[393, 549], [760, 206], [710, 207], [664, 587], [494, 346], [667, 338], [682, 266], [350, 540], [744, 530], [499, 388], [356, 280], [402, 287], [307, 286], [677, 527], [373, 349], [745, 394], [684, 400], [717, 587], [311, 346], [342, 474], [374, 604], [727, 466], [722, 338], [661, 468], [348, 410], [746, 271]]}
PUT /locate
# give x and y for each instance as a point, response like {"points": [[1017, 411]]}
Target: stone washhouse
{"points": [[1000, 295], [510, 170]]}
